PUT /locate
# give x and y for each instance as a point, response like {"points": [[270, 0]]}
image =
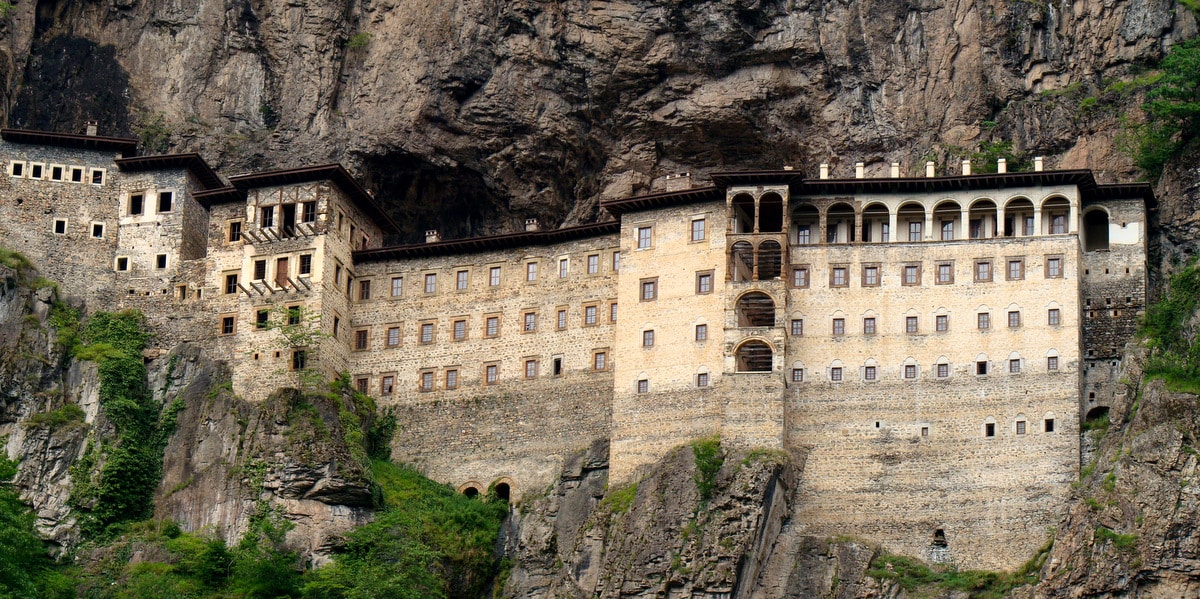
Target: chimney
{"points": [[824, 170], [678, 182], [531, 224], [1001, 165], [432, 236], [859, 170], [93, 128], [895, 170], [966, 168], [1037, 164], [929, 169], [788, 168]]}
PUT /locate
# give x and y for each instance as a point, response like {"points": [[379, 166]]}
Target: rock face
{"points": [[468, 116]]}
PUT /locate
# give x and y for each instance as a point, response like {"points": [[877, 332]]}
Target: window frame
{"points": [[947, 267], [651, 284], [392, 333], [227, 319], [701, 333], [430, 282], [702, 232], [801, 276], [488, 320], [796, 327], [1057, 271], [910, 274], [459, 329], [462, 279], [704, 282], [647, 338], [875, 267], [1014, 319], [362, 339], [643, 237], [941, 323], [593, 264], [1051, 363], [912, 325], [834, 281], [1009, 263], [980, 266]]}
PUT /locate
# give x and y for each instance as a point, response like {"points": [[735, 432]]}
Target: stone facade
{"points": [[929, 346]]}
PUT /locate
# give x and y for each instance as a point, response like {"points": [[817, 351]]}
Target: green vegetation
{"points": [[1175, 354], [1098, 423], [1120, 541], [983, 160], [1171, 109], [358, 41], [26, 570], [618, 500], [154, 133], [16, 261], [300, 335], [63, 417], [911, 575], [708, 463]]}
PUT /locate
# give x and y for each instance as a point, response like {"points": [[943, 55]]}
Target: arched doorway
{"points": [[770, 214], [1095, 231], [741, 262], [756, 309], [770, 260], [754, 356], [743, 214]]}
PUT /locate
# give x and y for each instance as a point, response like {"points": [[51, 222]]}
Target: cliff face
{"points": [[467, 116]]}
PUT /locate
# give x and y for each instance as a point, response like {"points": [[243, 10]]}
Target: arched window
{"points": [[503, 490], [981, 220], [741, 262], [471, 492], [1056, 216], [805, 221], [743, 214], [754, 356], [945, 219], [770, 260], [770, 214], [839, 223], [876, 224], [1018, 218], [911, 220], [1095, 231], [756, 309]]}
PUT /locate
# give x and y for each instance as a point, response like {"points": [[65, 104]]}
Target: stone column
{"points": [[892, 217], [1037, 220], [966, 222], [927, 234], [999, 221], [822, 222], [1073, 218]]}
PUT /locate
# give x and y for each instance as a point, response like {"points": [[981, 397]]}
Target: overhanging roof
{"points": [[221, 195], [191, 161], [70, 140], [483, 244], [326, 172], [663, 200]]}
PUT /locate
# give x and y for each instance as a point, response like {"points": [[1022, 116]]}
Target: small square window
{"points": [[989, 429], [869, 326], [262, 319], [459, 328], [870, 277], [1052, 317], [589, 315], [835, 373], [1052, 363], [643, 386], [494, 276], [983, 320], [981, 367], [644, 237], [1014, 366], [649, 289], [698, 229], [593, 264], [1054, 268], [942, 323], [460, 280], [837, 276], [1014, 319], [430, 282], [839, 326], [362, 384], [1048, 425], [702, 379], [60, 226], [800, 277], [869, 373], [648, 338], [16, 169], [701, 332], [97, 176], [945, 273], [910, 324], [397, 286], [160, 261], [797, 375], [491, 326], [427, 332], [910, 371], [231, 284], [797, 327], [98, 230], [531, 369], [166, 201], [562, 319], [364, 290], [122, 263], [943, 370], [387, 384], [912, 274], [704, 282], [983, 271], [76, 174], [228, 325], [36, 170], [531, 271]]}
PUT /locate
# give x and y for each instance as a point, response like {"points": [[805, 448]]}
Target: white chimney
{"points": [[966, 168], [929, 170], [678, 181], [432, 236], [1037, 163], [1001, 165], [788, 168], [531, 224], [859, 170], [824, 170], [895, 170], [93, 128]]}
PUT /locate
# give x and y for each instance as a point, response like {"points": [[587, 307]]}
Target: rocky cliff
{"points": [[467, 116]]}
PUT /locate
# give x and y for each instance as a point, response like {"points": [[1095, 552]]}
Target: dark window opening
{"points": [[770, 214], [756, 309], [1049, 425], [287, 222], [136, 203], [503, 491], [754, 356], [981, 367], [770, 260], [165, 199], [939, 538], [1095, 415], [989, 429], [557, 366], [1095, 231], [743, 214], [471, 492]]}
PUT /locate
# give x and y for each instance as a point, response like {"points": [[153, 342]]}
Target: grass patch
{"points": [[1098, 423], [911, 574], [618, 500], [1175, 355], [68, 415], [709, 459], [1121, 542]]}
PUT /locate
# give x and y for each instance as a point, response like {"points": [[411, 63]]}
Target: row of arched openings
{"points": [[501, 488]]}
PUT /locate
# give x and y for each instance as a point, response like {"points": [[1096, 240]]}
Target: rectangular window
{"points": [[702, 379], [869, 373], [612, 312], [599, 361], [76, 174], [981, 367], [648, 338], [644, 237], [460, 280], [491, 374], [308, 212], [1014, 319], [835, 373], [427, 381], [803, 234], [943, 370], [123, 263], [268, 217], [530, 322], [869, 326], [839, 326], [262, 319], [698, 229], [589, 315], [885, 232], [306, 264], [98, 230], [231, 284], [460, 330], [137, 204], [914, 231], [364, 290], [942, 323], [989, 429], [531, 369], [235, 231], [704, 282], [16, 169], [494, 276], [393, 336], [531, 271], [912, 274], [800, 277], [1020, 427], [160, 261], [701, 332], [337, 322], [1052, 317], [337, 274], [35, 170], [387, 384], [870, 276], [397, 286], [616, 261], [293, 314], [1052, 363], [1049, 425], [228, 324], [427, 332], [643, 386], [362, 384], [452, 379], [1016, 269], [947, 230], [260, 270], [491, 327], [910, 371], [98, 179], [166, 201], [593, 264], [430, 282], [837, 277], [1058, 224], [983, 271], [945, 273], [1054, 268], [797, 375], [563, 265], [60, 226], [360, 339], [562, 319], [649, 289], [797, 327], [983, 320], [910, 324]]}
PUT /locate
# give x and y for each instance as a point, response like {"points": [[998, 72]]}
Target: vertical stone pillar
{"points": [[929, 170], [1037, 220], [966, 222], [892, 217], [824, 171]]}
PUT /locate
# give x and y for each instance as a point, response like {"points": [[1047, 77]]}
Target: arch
{"points": [[1095, 230], [946, 217], [503, 491], [1018, 217], [805, 222], [939, 538], [770, 213], [910, 218], [770, 260], [981, 219], [741, 262], [471, 489], [1056, 212], [755, 355], [1094, 416], [839, 223], [741, 213], [755, 309], [876, 223]]}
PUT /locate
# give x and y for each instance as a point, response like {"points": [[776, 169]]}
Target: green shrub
{"points": [[709, 459], [68, 414], [1172, 112], [619, 500], [1120, 541], [1175, 355]]}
